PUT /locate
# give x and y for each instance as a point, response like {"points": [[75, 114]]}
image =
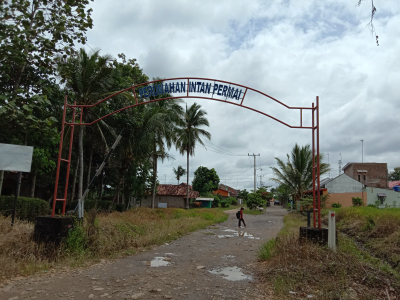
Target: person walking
{"points": [[241, 217]]}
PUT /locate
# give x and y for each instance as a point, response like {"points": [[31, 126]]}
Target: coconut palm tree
{"points": [[160, 129], [179, 172], [189, 133], [89, 77], [296, 173]]}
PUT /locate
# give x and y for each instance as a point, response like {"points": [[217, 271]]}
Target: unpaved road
{"points": [[215, 263]]}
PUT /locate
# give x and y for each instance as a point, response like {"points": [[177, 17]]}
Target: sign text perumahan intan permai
{"points": [[194, 87]]}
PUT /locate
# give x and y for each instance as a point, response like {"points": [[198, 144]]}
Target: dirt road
{"points": [[214, 263]]}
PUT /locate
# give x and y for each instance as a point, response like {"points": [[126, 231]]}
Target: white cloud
{"points": [[291, 50]]}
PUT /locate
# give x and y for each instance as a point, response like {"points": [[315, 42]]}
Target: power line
{"points": [[233, 153]]}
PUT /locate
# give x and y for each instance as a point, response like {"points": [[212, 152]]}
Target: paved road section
{"points": [[215, 263]]}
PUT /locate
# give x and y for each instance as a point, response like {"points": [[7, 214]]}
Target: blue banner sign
{"points": [[194, 87]]}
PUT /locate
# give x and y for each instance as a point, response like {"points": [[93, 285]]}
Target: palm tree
{"points": [[179, 172], [89, 77], [296, 173], [189, 134], [160, 129]]}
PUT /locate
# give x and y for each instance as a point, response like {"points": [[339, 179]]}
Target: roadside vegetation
{"points": [[101, 236], [303, 269], [377, 229]]}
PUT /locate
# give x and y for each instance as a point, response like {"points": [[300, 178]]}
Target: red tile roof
{"points": [[176, 190]]}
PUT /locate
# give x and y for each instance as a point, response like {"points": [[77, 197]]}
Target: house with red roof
{"points": [[170, 195], [226, 191]]}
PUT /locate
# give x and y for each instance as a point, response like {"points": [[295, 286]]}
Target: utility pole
{"points": [[362, 151], [255, 174], [165, 179]]}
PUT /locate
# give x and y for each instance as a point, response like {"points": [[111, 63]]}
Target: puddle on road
{"points": [[231, 273], [237, 233], [227, 256], [159, 261]]}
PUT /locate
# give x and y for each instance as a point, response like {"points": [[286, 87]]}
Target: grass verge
{"points": [[302, 270], [253, 212], [377, 229], [101, 236]]}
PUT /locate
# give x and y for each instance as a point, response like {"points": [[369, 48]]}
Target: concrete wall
{"points": [[391, 196], [172, 201], [345, 199], [343, 184]]}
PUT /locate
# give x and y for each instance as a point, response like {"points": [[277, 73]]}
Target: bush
{"points": [[27, 208], [217, 198], [232, 200], [288, 205], [225, 203], [254, 200], [357, 201], [336, 205]]}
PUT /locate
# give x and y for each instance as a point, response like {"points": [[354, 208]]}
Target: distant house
{"points": [[169, 195], [369, 174], [343, 188], [226, 191]]}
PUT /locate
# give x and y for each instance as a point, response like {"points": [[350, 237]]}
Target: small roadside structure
{"points": [[205, 202]]}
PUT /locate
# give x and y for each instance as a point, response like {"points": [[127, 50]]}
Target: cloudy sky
{"points": [[291, 50]]}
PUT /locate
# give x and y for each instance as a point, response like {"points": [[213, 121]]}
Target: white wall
{"points": [[343, 184], [391, 196]]}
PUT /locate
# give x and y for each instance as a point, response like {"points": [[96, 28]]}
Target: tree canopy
{"points": [[296, 172], [205, 180], [395, 175]]}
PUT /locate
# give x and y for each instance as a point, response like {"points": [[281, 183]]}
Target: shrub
{"points": [[217, 198], [232, 201], [254, 200], [225, 203], [357, 201], [27, 208], [288, 205], [336, 205]]}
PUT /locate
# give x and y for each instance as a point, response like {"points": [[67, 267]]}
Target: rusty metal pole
{"points": [[318, 168], [59, 157], [69, 159], [313, 166]]}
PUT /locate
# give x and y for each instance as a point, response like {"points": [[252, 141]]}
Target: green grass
{"points": [[266, 251], [253, 212]]}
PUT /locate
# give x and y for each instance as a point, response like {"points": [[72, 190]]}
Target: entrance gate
{"points": [[201, 88]]}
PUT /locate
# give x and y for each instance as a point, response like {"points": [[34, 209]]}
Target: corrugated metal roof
{"points": [[393, 183], [381, 194], [176, 190], [205, 199]]}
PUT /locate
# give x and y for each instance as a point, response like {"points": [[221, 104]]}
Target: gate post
{"points": [[59, 157], [313, 166], [318, 168]]}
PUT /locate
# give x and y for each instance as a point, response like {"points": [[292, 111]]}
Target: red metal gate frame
{"points": [[314, 129]]}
